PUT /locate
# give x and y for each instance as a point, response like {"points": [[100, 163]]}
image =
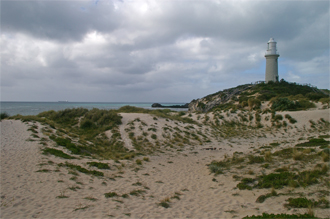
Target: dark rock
{"points": [[157, 105]]}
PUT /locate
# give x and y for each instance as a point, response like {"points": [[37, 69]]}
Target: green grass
{"points": [[137, 184], [81, 169], [164, 204], [57, 153], [306, 203], [246, 183], [110, 194], [300, 202], [137, 192], [89, 135], [74, 188], [81, 208], [62, 195], [99, 165], [262, 198], [124, 196], [43, 171], [255, 159], [68, 144], [275, 180], [138, 162], [324, 136], [146, 159], [217, 167], [282, 179], [314, 142]]}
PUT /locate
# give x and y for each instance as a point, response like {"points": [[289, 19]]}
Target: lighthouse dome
{"points": [[271, 40]]}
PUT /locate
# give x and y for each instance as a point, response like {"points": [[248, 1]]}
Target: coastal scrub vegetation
{"points": [[3, 115], [282, 95], [278, 176], [81, 132]]}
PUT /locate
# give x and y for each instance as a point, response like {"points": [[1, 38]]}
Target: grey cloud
{"points": [[172, 51], [57, 20]]}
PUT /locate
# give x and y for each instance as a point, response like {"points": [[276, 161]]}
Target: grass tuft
{"points": [[99, 165], [57, 153], [81, 169], [110, 194]]}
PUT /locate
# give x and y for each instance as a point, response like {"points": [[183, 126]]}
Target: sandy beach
{"points": [[33, 185]]}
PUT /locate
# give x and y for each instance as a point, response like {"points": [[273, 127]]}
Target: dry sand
{"points": [[182, 176]]}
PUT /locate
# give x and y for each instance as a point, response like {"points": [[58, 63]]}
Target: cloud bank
{"points": [[155, 51]]}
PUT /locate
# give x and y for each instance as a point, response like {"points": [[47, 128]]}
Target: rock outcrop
{"points": [[158, 105]]}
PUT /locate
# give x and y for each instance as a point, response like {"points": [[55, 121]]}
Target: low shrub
{"points": [[292, 120], [4, 115], [306, 104], [254, 103], [262, 198], [325, 100], [275, 180], [287, 116], [282, 104], [278, 117], [314, 142], [99, 165], [300, 202], [217, 167], [245, 183], [164, 204], [255, 159]]}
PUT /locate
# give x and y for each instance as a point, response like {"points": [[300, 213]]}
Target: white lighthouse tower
{"points": [[271, 61]]}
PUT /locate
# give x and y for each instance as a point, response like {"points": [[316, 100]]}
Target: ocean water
{"points": [[34, 108]]}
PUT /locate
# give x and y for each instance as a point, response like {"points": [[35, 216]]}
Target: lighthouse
{"points": [[271, 61]]}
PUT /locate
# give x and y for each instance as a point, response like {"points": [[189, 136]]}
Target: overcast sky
{"points": [[155, 51]]}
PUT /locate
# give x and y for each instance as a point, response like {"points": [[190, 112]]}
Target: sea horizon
{"points": [[35, 107]]}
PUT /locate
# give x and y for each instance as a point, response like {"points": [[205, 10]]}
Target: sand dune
{"points": [[179, 174]]}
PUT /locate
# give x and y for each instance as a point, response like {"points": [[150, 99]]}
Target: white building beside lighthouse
{"points": [[271, 61]]}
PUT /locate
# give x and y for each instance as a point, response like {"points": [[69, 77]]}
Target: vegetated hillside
{"points": [[282, 96]]}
